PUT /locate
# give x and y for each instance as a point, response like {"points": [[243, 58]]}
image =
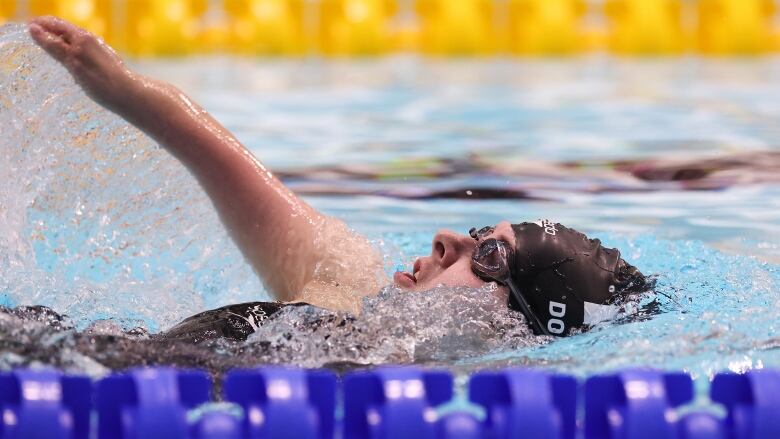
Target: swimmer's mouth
{"points": [[404, 279], [409, 280]]}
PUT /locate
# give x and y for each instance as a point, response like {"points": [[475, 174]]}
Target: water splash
{"points": [[433, 327], [436, 326], [96, 221]]}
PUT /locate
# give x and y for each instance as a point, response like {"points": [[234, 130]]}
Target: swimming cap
{"points": [[568, 280]]}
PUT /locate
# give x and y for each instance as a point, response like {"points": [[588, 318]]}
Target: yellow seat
{"points": [[545, 27], [645, 27], [266, 26], [456, 27], [163, 27], [356, 27], [93, 15], [735, 26]]}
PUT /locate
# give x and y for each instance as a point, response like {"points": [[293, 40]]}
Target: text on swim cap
{"points": [[548, 226], [556, 325]]}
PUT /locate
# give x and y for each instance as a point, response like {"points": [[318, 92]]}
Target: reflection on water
{"points": [[98, 223]]}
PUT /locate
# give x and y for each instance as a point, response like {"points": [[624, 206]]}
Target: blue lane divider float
{"points": [[394, 403], [44, 404], [633, 403], [752, 401], [526, 403], [639, 404], [149, 403], [273, 397], [384, 403]]}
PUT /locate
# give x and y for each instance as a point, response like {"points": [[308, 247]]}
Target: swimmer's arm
{"points": [[271, 225], [265, 218]]}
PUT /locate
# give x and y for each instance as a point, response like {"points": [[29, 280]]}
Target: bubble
{"points": [[438, 325]]}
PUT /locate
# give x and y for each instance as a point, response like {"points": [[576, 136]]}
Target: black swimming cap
{"points": [[569, 280]]}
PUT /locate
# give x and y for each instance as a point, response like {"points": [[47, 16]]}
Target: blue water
{"points": [[99, 223]]}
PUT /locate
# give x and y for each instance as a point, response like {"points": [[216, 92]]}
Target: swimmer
{"points": [[557, 277]]}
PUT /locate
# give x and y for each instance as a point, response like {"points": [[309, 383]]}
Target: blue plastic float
{"points": [[642, 404], [394, 403], [389, 402], [526, 403], [272, 397]]}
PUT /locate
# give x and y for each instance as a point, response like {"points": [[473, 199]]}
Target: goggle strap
{"points": [[525, 308]]}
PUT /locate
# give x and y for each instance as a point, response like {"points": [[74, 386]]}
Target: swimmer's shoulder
{"points": [[234, 322]]}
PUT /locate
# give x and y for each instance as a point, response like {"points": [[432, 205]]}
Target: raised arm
{"points": [[275, 230]]}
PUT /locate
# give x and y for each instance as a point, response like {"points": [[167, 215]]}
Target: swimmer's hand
{"points": [[95, 66]]}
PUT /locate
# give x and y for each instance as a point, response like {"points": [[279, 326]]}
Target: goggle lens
{"points": [[490, 259]]}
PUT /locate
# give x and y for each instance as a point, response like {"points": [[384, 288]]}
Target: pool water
{"points": [[674, 161]]}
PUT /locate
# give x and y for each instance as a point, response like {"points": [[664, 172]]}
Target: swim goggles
{"points": [[491, 261]]}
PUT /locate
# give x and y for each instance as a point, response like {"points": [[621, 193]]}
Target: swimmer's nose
{"points": [[449, 246]]}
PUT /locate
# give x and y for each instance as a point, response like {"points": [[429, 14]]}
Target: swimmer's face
{"points": [[450, 261]]}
